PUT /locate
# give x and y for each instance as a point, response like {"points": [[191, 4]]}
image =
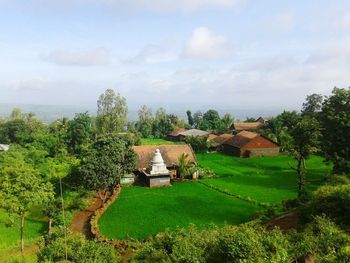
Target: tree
{"points": [[79, 132], [335, 120], [226, 123], [211, 120], [190, 118], [145, 121], [111, 112], [185, 166], [21, 188], [200, 144], [312, 105], [250, 119], [162, 124], [197, 119], [305, 141], [104, 163]]}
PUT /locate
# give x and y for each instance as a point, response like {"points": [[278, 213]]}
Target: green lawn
{"points": [[265, 179], [153, 141], [140, 212], [35, 226]]}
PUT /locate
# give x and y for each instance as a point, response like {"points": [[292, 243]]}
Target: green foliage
{"points": [[78, 249], [332, 201], [228, 244], [313, 104], [162, 124], [323, 240], [104, 163], [111, 112], [335, 120], [305, 136], [185, 166], [200, 144], [145, 121], [190, 118], [79, 132]]}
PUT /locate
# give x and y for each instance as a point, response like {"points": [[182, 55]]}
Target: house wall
{"points": [[260, 146], [230, 150], [159, 181]]}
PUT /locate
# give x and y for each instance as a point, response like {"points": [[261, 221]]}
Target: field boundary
{"points": [[99, 212], [237, 196]]}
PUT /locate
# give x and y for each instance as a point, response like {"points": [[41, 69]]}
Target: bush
{"points": [[323, 240], [78, 249], [332, 201], [205, 173]]}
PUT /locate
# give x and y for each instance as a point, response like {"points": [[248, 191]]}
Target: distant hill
{"points": [[49, 113]]}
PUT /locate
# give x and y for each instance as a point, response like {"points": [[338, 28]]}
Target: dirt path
{"points": [[285, 222], [81, 220]]}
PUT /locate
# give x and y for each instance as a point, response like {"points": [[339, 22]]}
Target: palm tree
{"points": [[185, 166]]}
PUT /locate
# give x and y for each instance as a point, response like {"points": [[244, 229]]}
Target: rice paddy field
{"points": [[140, 212]]}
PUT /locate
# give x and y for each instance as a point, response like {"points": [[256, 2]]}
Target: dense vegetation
{"points": [[51, 169]]}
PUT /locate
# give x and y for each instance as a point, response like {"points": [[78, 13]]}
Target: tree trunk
{"points": [[301, 177], [22, 232], [50, 227]]}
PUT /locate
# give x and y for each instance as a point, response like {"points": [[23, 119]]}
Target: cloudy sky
{"points": [[225, 54]]}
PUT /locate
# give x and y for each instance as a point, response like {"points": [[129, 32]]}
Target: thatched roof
{"points": [[194, 133], [176, 132], [170, 154], [240, 126]]}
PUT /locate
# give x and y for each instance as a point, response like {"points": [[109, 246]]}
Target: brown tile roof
{"points": [[222, 138], [240, 126], [241, 139], [170, 154], [176, 132]]}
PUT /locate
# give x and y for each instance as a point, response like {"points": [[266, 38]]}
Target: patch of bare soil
{"points": [[81, 220], [285, 222]]}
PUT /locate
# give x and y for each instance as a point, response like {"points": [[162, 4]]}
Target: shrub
{"points": [[78, 249]]}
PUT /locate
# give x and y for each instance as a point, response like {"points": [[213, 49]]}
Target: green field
{"points": [[9, 234], [264, 179], [140, 212], [154, 141]]}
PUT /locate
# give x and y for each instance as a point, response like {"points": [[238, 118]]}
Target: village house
{"points": [[182, 135], [174, 135], [250, 144], [217, 141], [156, 165]]}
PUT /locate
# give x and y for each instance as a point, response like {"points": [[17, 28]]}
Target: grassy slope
{"points": [[35, 225], [152, 141], [140, 211], [265, 179]]}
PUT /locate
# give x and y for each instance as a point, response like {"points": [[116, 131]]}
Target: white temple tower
{"points": [[158, 166]]}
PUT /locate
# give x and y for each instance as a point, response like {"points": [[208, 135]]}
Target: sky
{"points": [[178, 54]]}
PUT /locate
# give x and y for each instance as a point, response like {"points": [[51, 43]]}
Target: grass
{"points": [[264, 179], [140, 212], [35, 225], [154, 141]]}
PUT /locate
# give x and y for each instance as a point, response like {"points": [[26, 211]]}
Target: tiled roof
{"points": [[222, 138], [241, 139], [176, 132], [170, 154]]}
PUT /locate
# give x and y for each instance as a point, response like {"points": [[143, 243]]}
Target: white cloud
{"points": [[92, 57], [204, 44], [154, 53]]}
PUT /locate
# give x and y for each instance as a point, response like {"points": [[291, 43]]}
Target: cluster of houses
{"points": [[157, 165]]}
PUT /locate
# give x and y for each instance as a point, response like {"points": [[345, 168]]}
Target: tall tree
{"points": [[305, 141], [190, 118], [211, 120], [312, 104], [111, 112], [145, 121], [162, 124], [104, 164], [21, 188], [198, 119], [226, 123], [335, 120], [80, 131]]}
